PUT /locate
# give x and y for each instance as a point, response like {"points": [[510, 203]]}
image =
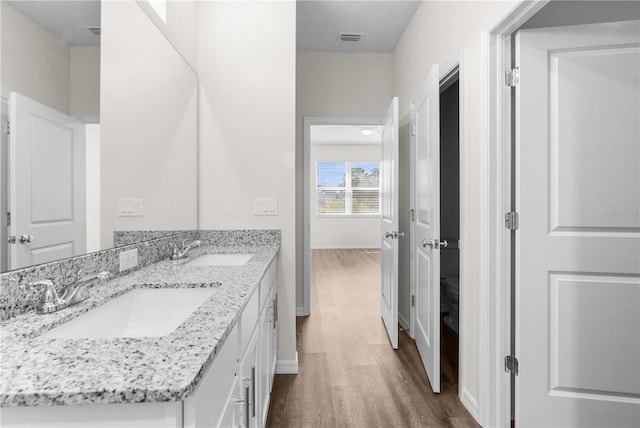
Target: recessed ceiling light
{"points": [[366, 132]]}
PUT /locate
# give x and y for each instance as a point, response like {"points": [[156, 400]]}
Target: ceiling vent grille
{"points": [[94, 30], [350, 37]]}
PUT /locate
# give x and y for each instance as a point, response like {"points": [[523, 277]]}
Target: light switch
{"points": [[130, 207], [265, 206]]}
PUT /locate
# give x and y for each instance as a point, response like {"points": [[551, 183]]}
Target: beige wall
{"points": [[46, 69], [336, 85], [342, 232], [35, 63], [246, 63], [179, 27], [148, 125], [84, 82], [439, 32]]}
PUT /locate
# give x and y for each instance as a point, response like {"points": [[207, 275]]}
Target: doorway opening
{"points": [[341, 181], [449, 227]]}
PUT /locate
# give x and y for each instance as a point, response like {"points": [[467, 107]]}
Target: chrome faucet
{"points": [[76, 292], [72, 294], [178, 254]]}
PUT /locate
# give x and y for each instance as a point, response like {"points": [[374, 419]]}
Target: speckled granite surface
{"points": [[37, 371], [128, 237], [16, 300]]}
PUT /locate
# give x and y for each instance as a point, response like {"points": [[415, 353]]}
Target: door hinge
{"points": [[512, 77], [413, 300], [7, 128], [8, 218], [512, 220], [511, 365], [413, 129], [412, 214]]}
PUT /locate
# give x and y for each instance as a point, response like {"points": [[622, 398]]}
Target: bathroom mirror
{"points": [[106, 65]]}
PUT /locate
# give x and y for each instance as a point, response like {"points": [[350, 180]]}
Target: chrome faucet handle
{"points": [[49, 300], [96, 275], [175, 252], [83, 271]]}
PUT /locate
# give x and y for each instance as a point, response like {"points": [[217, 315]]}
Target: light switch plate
{"points": [[265, 206], [128, 259], [130, 207]]}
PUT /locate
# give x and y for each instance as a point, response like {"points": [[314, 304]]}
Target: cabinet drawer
{"points": [[265, 286], [274, 270], [248, 320]]}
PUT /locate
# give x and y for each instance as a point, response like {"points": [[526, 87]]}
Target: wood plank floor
{"points": [[349, 376]]}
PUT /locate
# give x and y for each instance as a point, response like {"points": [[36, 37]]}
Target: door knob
{"points": [[394, 235], [434, 243], [26, 238]]}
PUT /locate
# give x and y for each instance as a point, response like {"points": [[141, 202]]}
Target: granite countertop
{"points": [[35, 372]]}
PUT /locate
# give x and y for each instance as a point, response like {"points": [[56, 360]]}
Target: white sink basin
{"points": [[138, 313], [221, 260]]}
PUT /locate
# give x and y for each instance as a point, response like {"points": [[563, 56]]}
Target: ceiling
{"points": [[68, 20], [346, 134], [381, 23]]}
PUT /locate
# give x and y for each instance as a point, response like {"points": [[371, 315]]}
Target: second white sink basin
{"points": [[221, 260], [138, 313]]}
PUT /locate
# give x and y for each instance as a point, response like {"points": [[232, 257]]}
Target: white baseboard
{"points": [[287, 366], [470, 404], [346, 247], [403, 323], [300, 312]]}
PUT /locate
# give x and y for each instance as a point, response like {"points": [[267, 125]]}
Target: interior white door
{"points": [[46, 183], [578, 243], [425, 135], [390, 233]]}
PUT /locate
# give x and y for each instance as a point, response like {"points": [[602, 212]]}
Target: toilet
{"points": [[449, 286], [452, 290]]}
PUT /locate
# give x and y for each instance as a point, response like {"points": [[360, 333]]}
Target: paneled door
{"points": [[425, 138], [46, 183], [578, 243], [389, 223]]}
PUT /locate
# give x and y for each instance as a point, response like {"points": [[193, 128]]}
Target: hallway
{"points": [[349, 375]]}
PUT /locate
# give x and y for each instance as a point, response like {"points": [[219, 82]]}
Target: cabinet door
{"points": [[231, 414], [248, 384], [206, 406], [273, 335], [264, 361]]}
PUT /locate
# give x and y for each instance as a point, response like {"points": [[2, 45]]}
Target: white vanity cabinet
{"points": [[244, 400], [237, 384], [268, 339]]}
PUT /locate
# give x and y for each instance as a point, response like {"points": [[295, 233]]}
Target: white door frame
{"points": [[308, 122], [495, 201]]}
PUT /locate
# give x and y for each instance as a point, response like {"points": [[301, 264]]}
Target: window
{"points": [[348, 188]]}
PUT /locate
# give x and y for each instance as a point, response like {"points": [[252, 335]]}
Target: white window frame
{"points": [[348, 192]]}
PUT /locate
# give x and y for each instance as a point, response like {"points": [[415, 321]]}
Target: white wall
{"points": [[342, 232], [439, 32], [148, 119], [246, 63], [333, 84], [35, 63]]}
